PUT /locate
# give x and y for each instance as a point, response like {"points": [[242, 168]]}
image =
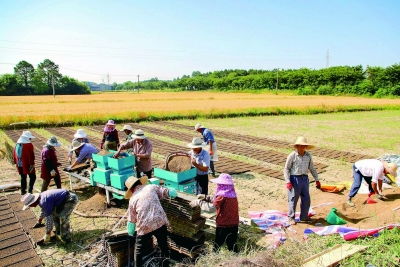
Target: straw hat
{"points": [[139, 134], [198, 126], [25, 137], [132, 182], [223, 178], [27, 134], [302, 141], [28, 199], [391, 168], [80, 133], [127, 127], [110, 122], [53, 142], [196, 143], [76, 144]]}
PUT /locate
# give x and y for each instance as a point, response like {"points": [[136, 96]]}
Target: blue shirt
{"points": [[86, 152], [50, 199], [203, 158], [207, 136]]}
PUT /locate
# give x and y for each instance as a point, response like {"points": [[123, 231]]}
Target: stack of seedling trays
{"points": [[112, 171], [186, 234]]}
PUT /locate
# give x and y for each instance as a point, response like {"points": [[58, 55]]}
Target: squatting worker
{"points": [[201, 161], [50, 164], [372, 171], [298, 163], [81, 137], [24, 159], [211, 147], [57, 206], [110, 139], [142, 148], [146, 216], [84, 150]]}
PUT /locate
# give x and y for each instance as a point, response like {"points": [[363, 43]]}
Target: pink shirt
{"points": [[145, 209]]}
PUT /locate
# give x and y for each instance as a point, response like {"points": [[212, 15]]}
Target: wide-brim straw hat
{"points": [[132, 182], [28, 199], [223, 178], [197, 142], [302, 141], [76, 144], [27, 134], [391, 168], [198, 126], [110, 122], [80, 133], [53, 142], [127, 127], [23, 140], [139, 134]]}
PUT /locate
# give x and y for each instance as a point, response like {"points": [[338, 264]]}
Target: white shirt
{"points": [[371, 168]]}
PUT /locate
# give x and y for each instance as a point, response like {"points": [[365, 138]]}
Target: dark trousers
{"points": [[212, 168], [300, 190], [46, 182], [148, 174], [142, 243], [357, 176], [202, 184], [32, 179], [228, 235]]}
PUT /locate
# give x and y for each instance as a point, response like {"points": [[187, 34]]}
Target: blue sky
{"points": [[167, 39]]}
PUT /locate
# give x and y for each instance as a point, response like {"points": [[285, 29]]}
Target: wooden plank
{"points": [[333, 255]]}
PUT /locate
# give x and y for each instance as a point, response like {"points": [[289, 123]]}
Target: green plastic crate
{"points": [[188, 187], [101, 176], [102, 160], [118, 180], [117, 196], [122, 164], [175, 177]]}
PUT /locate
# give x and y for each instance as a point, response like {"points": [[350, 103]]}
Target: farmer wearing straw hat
{"points": [[128, 130], [201, 161], [372, 171], [110, 139], [57, 206], [211, 147], [298, 163], [146, 216], [142, 148], [24, 159], [81, 137], [50, 163], [84, 151]]}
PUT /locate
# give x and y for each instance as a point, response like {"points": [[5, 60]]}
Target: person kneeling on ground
{"points": [[201, 161], [146, 216], [298, 163], [372, 171], [57, 206], [50, 164], [84, 151]]}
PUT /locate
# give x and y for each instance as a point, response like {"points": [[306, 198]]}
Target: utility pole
{"points": [[327, 58], [108, 80], [277, 79], [138, 83], [52, 84]]}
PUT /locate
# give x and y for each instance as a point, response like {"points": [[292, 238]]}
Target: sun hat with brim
{"points": [[23, 140], [139, 134], [391, 168], [53, 142], [110, 122], [198, 126], [223, 178], [80, 133], [28, 199], [302, 141], [196, 143], [127, 127], [76, 144], [132, 182], [27, 134]]}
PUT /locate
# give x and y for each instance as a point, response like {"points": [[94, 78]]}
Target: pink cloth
{"points": [[225, 190]]}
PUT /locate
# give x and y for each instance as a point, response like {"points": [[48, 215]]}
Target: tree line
{"points": [[26, 80], [377, 81]]}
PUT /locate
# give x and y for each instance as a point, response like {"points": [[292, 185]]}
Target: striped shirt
{"points": [[299, 165]]}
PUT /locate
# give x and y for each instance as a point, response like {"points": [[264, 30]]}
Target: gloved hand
{"points": [[201, 196], [289, 186], [131, 227], [46, 238], [172, 192], [318, 184], [53, 173], [38, 225]]}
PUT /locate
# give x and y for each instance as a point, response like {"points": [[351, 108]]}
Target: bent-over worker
{"points": [[146, 216], [84, 151], [50, 164], [211, 146], [24, 159], [57, 206], [80, 136], [372, 171], [201, 161]]}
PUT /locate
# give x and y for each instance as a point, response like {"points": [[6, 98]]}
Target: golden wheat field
{"points": [[132, 106]]}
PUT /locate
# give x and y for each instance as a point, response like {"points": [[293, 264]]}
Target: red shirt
{"points": [[227, 211], [28, 158]]}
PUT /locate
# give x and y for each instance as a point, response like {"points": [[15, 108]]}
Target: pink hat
{"points": [[223, 178], [110, 122]]}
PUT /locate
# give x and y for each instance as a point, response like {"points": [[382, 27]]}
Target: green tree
{"points": [[48, 72], [9, 85], [25, 71]]}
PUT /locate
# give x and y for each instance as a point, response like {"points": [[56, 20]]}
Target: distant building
{"points": [[99, 87]]}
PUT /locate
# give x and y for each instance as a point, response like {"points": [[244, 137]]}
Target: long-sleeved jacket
{"points": [[49, 163], [27, 158], [111, 137]]}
